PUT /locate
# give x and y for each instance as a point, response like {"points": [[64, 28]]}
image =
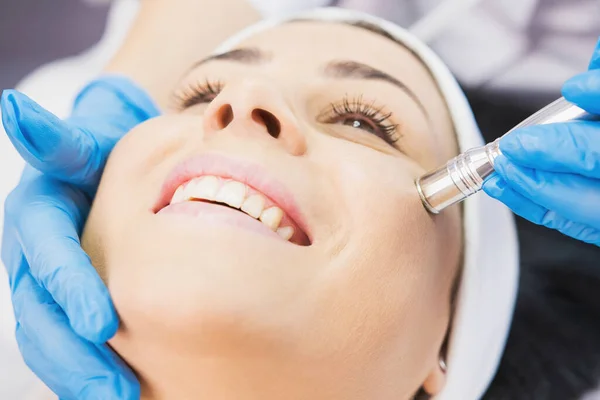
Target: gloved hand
{"points": [[550, 174], [63, 310]]}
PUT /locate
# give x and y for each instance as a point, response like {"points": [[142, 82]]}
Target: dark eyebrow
{"points": [[336, 69], [353, 69], [250, 55]]}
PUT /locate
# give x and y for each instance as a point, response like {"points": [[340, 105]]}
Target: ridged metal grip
{"points": [[464, 175]]}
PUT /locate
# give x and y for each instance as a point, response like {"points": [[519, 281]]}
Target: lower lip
{"points": [[210, 213]]}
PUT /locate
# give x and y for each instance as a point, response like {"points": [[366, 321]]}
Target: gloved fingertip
{"points": [[494, 186], [511, 144], [573, 87], [511, 173], [501, 166], [19, 114], [9, 110], [523, 144], [96, 321], [6, 96], [583, 90]]}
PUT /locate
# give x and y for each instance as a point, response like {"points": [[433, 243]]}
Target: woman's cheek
{"points": [[92, 244]]}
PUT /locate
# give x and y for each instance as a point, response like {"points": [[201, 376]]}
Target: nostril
{"points": [[224, 116], [268, 120]]}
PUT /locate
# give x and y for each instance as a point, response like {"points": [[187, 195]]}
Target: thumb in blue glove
{"points": [[63, 310], [75, 150], [550, 174]]}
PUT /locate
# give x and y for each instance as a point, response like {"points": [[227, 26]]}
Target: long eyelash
{"points": [[197, 93], [375, 114]]}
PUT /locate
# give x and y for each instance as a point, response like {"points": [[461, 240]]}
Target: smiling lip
{"points": [[211, 213], [250, 174]]}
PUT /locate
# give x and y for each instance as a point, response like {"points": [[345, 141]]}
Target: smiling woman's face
{"points": [[322, 129]]}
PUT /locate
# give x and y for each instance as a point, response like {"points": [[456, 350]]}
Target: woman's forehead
{"points": [[317, 42]]}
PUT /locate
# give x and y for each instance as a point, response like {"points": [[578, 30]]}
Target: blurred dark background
{"points": [[34, 32]]}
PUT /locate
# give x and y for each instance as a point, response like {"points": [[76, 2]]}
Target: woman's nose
{"points": [[255, 109]]}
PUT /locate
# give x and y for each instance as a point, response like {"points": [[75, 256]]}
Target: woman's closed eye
{"points": [[351, 112], [197, 93]]}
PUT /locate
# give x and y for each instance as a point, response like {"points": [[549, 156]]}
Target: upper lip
{"points": [[221, 166]]}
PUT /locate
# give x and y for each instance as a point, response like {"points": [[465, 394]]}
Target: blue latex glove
{"points": [[63, 310], [550, 174]]}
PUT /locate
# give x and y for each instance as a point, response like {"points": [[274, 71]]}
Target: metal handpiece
{"points": [[464, 175]]}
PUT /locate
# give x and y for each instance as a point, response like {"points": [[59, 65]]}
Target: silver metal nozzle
{"points": [[464, 175]]}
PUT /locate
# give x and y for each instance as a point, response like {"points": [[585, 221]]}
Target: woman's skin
{"points": [[219, 310]]}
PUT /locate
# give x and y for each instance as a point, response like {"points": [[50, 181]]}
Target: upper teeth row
{"points": [[233, 194]]}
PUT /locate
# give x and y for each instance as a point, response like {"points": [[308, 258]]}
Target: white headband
{"points": [[488, 286]]}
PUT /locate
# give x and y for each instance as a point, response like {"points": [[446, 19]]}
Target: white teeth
{"points": [[254, 205], [272, 217], [286, 232], [232, 193], [204, 188], [179, 196]]}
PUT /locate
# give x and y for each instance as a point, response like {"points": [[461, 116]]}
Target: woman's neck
{"points": [[238, 379], [255, 371]]}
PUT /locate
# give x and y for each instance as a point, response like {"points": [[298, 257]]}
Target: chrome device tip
{"points": [[465, 174]]}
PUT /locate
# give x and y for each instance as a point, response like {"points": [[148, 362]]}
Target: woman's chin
{"points": [[184, 276]]}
